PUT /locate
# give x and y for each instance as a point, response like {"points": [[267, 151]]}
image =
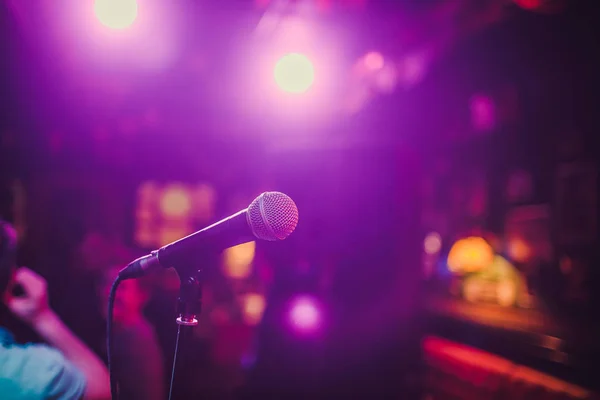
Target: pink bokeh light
{"points": [[483, 113], [305, 315], [374, 61]]}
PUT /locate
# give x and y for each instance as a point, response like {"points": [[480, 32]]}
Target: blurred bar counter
{"points": [[457, 371], [526, 337]]}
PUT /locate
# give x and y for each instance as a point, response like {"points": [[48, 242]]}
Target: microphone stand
{"points": [[189, 305]]}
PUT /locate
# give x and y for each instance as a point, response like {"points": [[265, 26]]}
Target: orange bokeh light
{"points": [[237, 260], [470, 255], [254, 307]]}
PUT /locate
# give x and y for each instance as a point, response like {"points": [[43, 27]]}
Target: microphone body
{"points": [[271, 216], [228, 232]]}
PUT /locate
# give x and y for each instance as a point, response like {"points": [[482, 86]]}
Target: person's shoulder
{"points": [[36, 369]]}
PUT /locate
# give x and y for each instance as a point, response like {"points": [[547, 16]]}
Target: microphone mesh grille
{"points": [[272, 216]]}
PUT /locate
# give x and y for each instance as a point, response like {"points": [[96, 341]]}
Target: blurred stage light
{"points": [[483, 113], [506, 293], [386, 79], [237, 260], [413, 68], [305, 315], [166, 212], [519, 250], [175, 202], [432, 243], [254, 307], [294, 73], [374, 61], [544, 6], [529, 4], [116, 14], [469, 255]]}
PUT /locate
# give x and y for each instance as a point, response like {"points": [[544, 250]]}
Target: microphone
{"points": [[271, 216]]}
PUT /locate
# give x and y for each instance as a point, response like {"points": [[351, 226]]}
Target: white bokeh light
{"points": [[116, 14], [294, 73]]}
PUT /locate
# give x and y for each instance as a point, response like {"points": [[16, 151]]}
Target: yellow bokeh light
{"points": [[470, 255], [254, 307], [237, 260], [175, 202]]}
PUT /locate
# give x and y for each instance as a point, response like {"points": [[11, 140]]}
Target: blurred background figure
{"points": [[137, 353]]}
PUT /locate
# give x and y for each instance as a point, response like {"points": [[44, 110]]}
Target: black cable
{"points": [[174, 361], [109, 328]]}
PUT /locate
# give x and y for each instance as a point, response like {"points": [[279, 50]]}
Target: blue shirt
{"points": [[35, 372]]}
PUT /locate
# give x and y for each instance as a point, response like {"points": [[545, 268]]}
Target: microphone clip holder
{"points": [[189, 303]]}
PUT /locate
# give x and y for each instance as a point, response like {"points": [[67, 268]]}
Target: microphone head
{"points": [[272, 216]]}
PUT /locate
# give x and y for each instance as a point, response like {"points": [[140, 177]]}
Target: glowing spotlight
{"points": [[116, 14], [305, 315], [175, 202], [294, 73]]}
